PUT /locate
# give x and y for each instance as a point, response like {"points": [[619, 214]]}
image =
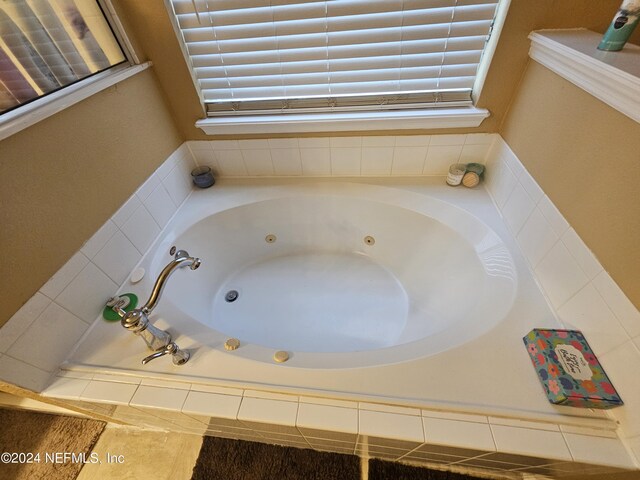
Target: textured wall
{"points": [[62, 178], [585, 155]]}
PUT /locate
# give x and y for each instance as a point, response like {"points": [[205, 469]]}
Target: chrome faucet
{"points": [[137, 320]]}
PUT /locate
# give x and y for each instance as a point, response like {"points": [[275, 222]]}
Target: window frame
{"points": [[267, 122], [43, 107]]}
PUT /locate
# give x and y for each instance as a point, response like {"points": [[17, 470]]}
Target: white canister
{"points": [[456, 172]]}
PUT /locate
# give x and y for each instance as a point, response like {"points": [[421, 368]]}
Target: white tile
{"points": [[463, 417], [457, 433], [258, 162], [270, 395], [163, 170], [325, 417], [212, 405], [261, 410], [225, 145], [379, 407], [99, 239], [603, 451], [63, 277], [440, 157], [230, 163], [22, 319], [283, 143], [157, 382], [501, 182], [553, 216], [524, 441], [531, 186], [622, 365], [448, 139], [178, 185], [206, 157], [65, 387], [378, 141], [314, 142], [141, 229], [195, 145], [286, 161], [117, 258], [391, 425], [158, 397], [517, 208], [474, 153], [536, 237], [346, 141], [216, 389], [160, 205], [126, 210], [560, 275], [148, 186], [514, 422], [329, 401], [587, 261], [109, 392], [315, 161], [627, 314], [376, 160], [75, 374], [21, 374], [345, 160], [254, 144], [47, 342], [408, 160], [108, 377], [593, 432], [412, 140], [634, 445], [588, 312], [479, 139], [86, 294]]}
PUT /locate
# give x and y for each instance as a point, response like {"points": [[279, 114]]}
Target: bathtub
{"points": [[405, 292]]}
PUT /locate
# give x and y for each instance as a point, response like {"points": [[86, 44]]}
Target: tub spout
{"points": [[181, 259], [137, 320]]}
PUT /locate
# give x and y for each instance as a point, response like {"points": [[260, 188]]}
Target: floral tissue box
{"points": [[569, 371]]}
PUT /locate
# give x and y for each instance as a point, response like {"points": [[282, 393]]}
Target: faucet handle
{"points": [[180, 357]]}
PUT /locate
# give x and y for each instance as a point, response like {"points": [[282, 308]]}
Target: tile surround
{"points": [[74, 296], [386, 431], [580, 292], [340, 156]]}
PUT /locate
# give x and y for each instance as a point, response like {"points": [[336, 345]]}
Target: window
{"points": [[46, 45], [293, 56]]}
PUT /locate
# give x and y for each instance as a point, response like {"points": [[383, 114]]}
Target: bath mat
{"points": [[381, 470], [24, 432], [224, 459]]}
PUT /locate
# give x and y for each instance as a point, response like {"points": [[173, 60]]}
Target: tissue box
{"points": [[569, 371]]}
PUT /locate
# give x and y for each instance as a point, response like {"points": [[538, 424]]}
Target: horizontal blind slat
{"points": [[253, 50]]}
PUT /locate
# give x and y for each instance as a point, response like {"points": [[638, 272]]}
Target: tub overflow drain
{"points": [[369, 240], [270, 238], [231, 296]]}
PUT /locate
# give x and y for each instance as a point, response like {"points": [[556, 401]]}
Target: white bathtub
{"points": [[431, 315], [355, 277]]}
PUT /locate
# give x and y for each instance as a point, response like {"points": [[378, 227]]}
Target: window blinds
{"points": [[48, 44], [251, 55]]}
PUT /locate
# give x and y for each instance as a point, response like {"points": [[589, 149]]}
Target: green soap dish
{"points": [[111, 316]]}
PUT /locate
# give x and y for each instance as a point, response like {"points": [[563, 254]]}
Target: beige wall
{"points": [[148, 22], [62, 178], [586, 157]]}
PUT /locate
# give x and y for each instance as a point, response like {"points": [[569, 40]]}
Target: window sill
{"points": [[23, 117], [613, 77], [345, 121]]}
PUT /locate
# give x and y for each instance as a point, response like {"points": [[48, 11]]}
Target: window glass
{"points": [[46, 45]]}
